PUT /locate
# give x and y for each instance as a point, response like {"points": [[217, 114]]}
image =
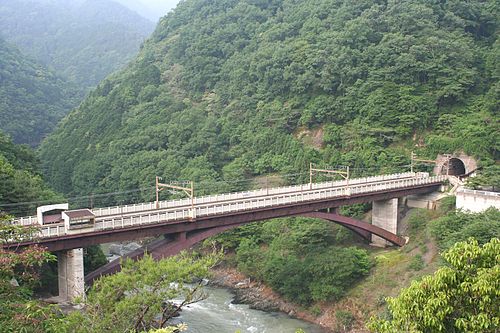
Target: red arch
{"points": [[159, 249], [182, 241], [363, 228]]}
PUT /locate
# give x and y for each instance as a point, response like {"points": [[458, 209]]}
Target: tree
{"points": [[94, 258], [19, 272], [488, 178], [463, 296], [139, 298]]}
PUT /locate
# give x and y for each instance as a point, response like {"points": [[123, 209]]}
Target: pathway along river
{"points": [[217, 314]]}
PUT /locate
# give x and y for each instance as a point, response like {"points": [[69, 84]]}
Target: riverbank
{"points": [[260, 297], [394, 270]]}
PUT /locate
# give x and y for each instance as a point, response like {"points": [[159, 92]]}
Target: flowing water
{"points": [[216, 314]]}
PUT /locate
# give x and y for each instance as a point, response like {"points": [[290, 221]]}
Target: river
{"points": [[216, 314]]}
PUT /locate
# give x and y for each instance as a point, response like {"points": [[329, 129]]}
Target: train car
{"points": [[78, 219]]}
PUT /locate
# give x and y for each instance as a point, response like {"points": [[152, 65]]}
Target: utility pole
{"points": [[193, 212], [343, 174], [157, 192], [412, 156], [448, 158], [310, 176], [347, 178], [188, 190], [267, 185], [415, 159]]}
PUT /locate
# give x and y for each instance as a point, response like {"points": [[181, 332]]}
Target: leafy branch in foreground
{"points": [[143, 296], [464, 296], [19, 273]]}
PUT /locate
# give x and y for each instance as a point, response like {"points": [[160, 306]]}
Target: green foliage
{"points": [[345, 320], [488, 178], [356, 211], [18, 275], [133, 300], [250, 258], [93, 258], [315, 310], [83, 40], [460, 297], [32, 98], [447, 204], [416, 263], [333, 271], [296, 258], [232, 239], [20, 265], [458, 226], [417, 221], [222, 89], [20, 180], [136, 298]]}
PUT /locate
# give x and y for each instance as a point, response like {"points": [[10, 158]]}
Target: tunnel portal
{"points": [[454, 167]]}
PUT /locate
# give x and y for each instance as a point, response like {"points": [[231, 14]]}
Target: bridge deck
{"points": [[151, 206], [234, 204]]}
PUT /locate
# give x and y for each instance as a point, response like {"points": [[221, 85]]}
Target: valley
{"points": [[261, 119]]}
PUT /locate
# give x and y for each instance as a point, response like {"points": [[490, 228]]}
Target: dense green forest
{"points": [[32, 98], [304, 260], [226, 90], [82, 40], [20, 179]]}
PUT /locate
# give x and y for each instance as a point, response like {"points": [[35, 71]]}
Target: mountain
{"points": [[151, 9], [83, 40], [32, 98], [231, 89], [20, 180], [141, 8]]}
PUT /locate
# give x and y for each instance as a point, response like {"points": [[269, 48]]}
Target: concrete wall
{"points": [[70, 274], [477, 201], [385, 215], [424, 201]]}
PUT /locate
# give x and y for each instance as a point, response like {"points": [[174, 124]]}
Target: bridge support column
{"points": [[70, 274], [385, 216]]}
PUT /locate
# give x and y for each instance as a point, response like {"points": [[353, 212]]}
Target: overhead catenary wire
{"points": [[115, 193], [205, 185], [85, 197]]}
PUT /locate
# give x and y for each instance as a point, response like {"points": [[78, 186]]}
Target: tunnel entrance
{"points": [[454, 167]]}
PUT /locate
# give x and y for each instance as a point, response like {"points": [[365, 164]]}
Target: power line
{"points": [[86, 197], [203, 184]]}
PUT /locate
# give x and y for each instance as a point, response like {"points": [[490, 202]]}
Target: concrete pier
{"points": [[385, 216], [70, 274]]}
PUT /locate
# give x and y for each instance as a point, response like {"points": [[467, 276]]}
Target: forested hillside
{"points": [[231, 89], [20, 179], [83, 40], [151, 9], [32, 98]]}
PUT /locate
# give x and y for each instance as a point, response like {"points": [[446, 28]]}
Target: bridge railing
{"points": [[262, 202], [479, 192], [25, 221], [147, 206], [243, 194], [249, 203]]}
